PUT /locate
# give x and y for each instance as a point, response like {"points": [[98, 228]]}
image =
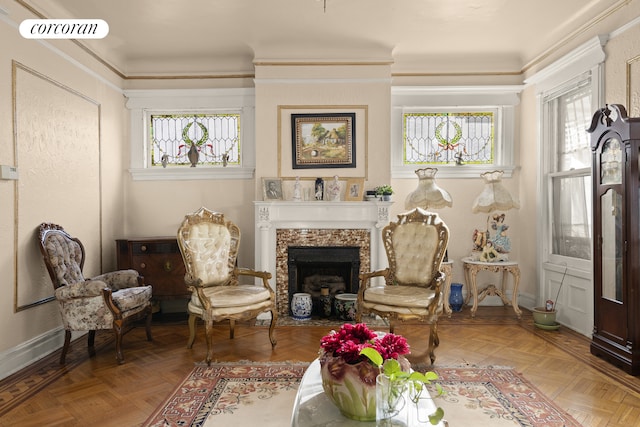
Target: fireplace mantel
{"points": [[316, 215]]}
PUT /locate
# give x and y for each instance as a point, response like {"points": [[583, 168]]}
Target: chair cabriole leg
{"points": [[65, 347], [192, 329], [272, 327]]}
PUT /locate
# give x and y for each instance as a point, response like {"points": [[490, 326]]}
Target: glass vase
{"points": [[391, 402]]}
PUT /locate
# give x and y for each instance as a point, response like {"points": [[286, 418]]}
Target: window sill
{"points": [[187, 173], [452, 171]]}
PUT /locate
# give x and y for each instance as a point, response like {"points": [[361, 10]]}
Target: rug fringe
{"points": [[254, 362]]}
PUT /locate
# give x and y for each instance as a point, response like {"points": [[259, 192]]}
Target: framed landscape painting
{"points": [[323, 140]]}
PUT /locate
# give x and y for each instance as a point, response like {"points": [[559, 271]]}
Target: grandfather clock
{"points": [[615, 143]]}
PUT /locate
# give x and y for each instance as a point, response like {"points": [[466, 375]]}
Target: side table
{"points": [[471, 269], [447, 268]]}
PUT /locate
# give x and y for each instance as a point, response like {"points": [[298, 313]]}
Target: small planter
{"points": [[385, 192], [544, 319]]}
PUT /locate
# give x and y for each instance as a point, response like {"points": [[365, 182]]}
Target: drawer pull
{"points": [[168, 266], [143, 248], [143, 265]]}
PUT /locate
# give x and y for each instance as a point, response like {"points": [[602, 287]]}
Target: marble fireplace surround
{"points": [[280, 224]]}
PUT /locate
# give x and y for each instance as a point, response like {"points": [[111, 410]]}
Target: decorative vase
{"points": [[352, 388], [345, 306], [301, 306], [455, 297], [325, 302], [391, 402]]}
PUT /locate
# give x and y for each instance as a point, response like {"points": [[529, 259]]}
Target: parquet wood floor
{"points": [[96, 391]]}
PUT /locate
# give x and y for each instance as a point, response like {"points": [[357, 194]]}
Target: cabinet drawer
{"points": [[144, 248], [159, 261]]}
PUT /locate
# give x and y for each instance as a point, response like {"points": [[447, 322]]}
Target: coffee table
{"points": [[313, 408]]}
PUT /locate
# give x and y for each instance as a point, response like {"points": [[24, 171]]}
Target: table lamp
{"points": [[494, 197]]}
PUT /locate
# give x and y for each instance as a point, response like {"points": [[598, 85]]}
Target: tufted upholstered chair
{"points": [[109, 301], [415, 246], [209, 246]]}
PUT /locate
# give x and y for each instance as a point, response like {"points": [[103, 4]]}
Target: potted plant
{"points": [[545, 317], [385, 191], [351, 362]]}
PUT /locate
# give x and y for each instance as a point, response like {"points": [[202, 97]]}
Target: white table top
{"points": [[470, 260], [314, 409]]}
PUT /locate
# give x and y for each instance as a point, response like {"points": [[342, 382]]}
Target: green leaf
{"points": [[373, 355], [437, 416], [392, 368]]}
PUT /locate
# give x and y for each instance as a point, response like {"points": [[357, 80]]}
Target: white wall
{"points": [[30, 332]]}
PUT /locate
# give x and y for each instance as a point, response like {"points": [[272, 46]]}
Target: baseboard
{"points": [[31, 351]]}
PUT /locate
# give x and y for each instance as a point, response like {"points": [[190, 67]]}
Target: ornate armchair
{"points": [[415, 247], [209, 246], [109, 301]]}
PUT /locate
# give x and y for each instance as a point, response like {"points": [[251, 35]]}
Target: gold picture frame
{"points": [[354, 190]]}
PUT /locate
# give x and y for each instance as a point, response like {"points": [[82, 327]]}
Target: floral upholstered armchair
{"points": [[415, 247], [209, 246], [109, 301]]}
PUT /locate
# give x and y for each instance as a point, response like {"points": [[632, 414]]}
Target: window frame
{"points": [[143, 103], [551, 158], [585, 62], [501, 99]]}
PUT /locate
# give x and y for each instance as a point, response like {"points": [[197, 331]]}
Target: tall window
{"points": [[568, 112]]}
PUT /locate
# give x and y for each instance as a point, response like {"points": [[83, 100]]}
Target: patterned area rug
{"points": [[493, 396], [259, 394]]}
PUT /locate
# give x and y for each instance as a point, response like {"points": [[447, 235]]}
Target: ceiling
{"points": [[191, 37]]}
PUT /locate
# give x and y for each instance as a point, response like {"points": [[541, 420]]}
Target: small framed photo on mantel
{"points": [[354, 189], [272, 188]]}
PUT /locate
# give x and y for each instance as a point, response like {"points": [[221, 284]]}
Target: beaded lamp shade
{"points": [[428, 194], [494, 196]]}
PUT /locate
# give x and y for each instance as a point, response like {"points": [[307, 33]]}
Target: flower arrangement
{"points": [[356, 353], [350, 340]]}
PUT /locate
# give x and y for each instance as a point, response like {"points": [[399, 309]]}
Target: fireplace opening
{"points": [[312, 268]]}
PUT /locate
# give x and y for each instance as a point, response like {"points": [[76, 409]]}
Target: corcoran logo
{"points": [[64, 29]]}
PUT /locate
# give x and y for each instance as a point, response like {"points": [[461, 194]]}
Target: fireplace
{"points": [[333, 267], [281, 225]]}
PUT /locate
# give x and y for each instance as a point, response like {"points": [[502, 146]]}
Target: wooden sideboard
{"points": [[158, 259]]}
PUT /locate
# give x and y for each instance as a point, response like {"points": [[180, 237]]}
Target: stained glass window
{"points": [[442, 138], [194, 139]]}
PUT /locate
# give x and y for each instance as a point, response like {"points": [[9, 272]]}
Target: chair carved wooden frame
{"points": [[112, 300], [209, 246], [415, 247]]}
